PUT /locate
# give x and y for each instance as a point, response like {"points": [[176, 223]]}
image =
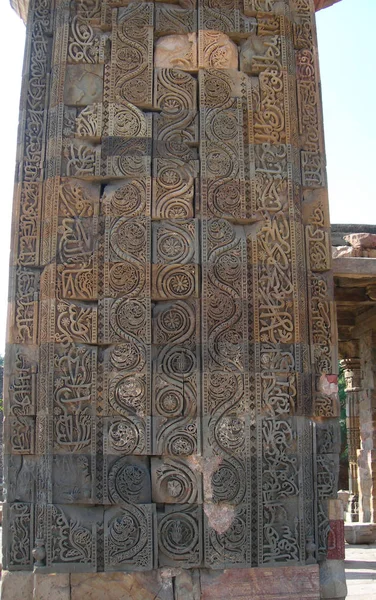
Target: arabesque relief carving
{"points": [[171, 368]]}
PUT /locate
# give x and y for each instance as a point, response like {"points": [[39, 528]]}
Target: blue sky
{"points": [[348, 74]]}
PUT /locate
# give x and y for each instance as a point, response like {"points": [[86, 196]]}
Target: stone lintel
{"points": [[354, 267]]}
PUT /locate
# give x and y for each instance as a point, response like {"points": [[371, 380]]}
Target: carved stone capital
{"points": [[352, 372]]}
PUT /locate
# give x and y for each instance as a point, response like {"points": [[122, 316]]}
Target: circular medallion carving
{"points": [[123, 436], [127, 394], [126, 481]]}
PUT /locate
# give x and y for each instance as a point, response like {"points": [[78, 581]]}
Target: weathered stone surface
{"points": [[17, 585], [261, 584], [187, 585], [83, 84], [345, 252], [54, 586], [118, 586], [177, 52], [335, 510], [360, 533], [332, 580]]}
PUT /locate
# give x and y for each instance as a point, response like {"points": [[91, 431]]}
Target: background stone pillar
{"points": [[367, 421], [351, 367]]}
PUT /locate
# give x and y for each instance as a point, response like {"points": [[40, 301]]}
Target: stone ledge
{"points": [[360, 533], [265, 583], [354, 267]]}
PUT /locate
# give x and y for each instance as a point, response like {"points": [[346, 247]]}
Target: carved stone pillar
{"points": [[367, 424], [171, 365], [352, 372]]}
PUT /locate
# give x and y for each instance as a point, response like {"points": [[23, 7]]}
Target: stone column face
{"points": [[171, 365]]}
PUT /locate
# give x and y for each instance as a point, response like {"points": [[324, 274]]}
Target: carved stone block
{"points": [[128, 480], [21, 472], [327, 475], [27, 235], [173, 189], [132, 54], [20, 435], [216, 51], [176, 51], [73, 432], [180, 536], [219, 86], [175, 481], [328, 437], [73, 479], [126, 157], [128, 393], [75, 323], [123, 317], [135, 524], [83, 84], [226, 540], [176, 136], [176, 324], [127, 198], [259, 52], [126, 120], [71, 538], [127, 435], [174, 282], [175, 242], [127, 257], [81, 159], [87, 122], [20, 379], [313, 175], [86, 43], [326, 401], [19, 535], [24, 287], [177, 437]]}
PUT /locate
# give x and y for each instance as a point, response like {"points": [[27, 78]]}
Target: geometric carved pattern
{"points": [[171, 307]]}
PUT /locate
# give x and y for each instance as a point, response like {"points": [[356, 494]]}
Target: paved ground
{"points": [[361, 572]]}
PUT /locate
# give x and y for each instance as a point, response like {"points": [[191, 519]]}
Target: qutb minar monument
{"points": [[171, 412]]}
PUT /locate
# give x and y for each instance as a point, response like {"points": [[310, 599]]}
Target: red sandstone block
{"points": [[336, 540]]}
